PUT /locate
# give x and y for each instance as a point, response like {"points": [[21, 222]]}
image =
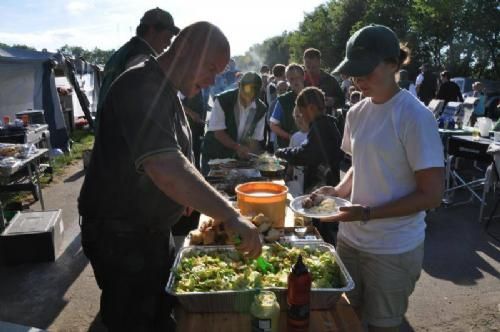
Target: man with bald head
{"points": [[141, 180]]}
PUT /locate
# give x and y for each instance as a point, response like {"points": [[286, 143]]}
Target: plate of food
{"points": [[271, 170], [317, 205]]}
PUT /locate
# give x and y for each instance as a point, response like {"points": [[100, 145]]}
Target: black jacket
{"points": [[450, 91], [320, 154]]}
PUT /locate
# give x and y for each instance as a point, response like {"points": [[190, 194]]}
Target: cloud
{"points": [[77, 7], [110, 23]]}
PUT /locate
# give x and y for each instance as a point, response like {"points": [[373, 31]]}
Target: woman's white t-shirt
{"points": [[388, 143]]}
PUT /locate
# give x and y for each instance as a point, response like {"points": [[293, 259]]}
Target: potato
{"points": [[205, 225], [260, 219], [209, 237], [196, 237]]}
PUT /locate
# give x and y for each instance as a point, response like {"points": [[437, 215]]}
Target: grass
{"points": [[81, 140]]}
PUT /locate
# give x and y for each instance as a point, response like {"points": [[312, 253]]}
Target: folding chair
{"points": [[493, 180], [464, 148]]}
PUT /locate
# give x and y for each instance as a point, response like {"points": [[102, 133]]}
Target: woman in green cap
{"points": [[397, 174]]}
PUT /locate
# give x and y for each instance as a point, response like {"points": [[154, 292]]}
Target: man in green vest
{"points": [[282, 122], [237, 121], [153, 35]]}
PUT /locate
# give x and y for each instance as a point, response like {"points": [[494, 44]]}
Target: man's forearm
{"points": [[225, 140], [413, 203], [175, 176], [344, 188], [279, 131]]}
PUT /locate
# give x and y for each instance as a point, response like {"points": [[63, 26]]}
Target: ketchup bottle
{"points": [[298, 297]]}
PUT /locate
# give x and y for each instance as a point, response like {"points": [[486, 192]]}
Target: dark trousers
{"points": [[327, 230], [132, 269]]}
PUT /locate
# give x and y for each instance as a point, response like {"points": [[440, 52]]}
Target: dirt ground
{"points": [[459, 289]]}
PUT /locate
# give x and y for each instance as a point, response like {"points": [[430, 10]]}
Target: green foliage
{"points": [[327, 28], [96, 55], [81, 140], [462, 36], [271, 51]]}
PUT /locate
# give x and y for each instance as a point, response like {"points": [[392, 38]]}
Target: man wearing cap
{"points": [[141, 179], [237, 122], [153, 34]]}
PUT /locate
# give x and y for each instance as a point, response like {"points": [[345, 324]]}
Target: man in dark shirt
{"points": [[314, 76], [449, 91], [153, 35], [320, 153], [141, 179]]}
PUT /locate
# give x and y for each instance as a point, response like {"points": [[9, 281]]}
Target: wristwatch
{"points": [[366, 215]]}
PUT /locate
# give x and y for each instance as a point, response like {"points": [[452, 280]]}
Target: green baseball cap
{"points": [[158, 16], [366, 48]]}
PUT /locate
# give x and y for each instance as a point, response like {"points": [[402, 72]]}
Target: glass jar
{"points": [[265, 311]]}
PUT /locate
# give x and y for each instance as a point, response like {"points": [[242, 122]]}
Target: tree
{"points": [[393, 14], [276, 50], [96, 56], [327, 28], [481, 20], [24, 47], [462, 36], [436, 23]]}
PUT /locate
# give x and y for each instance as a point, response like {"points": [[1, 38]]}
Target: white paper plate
{"points": [[296, 206]]}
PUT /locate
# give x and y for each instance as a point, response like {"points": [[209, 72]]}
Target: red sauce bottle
{"points": [[298, 297]]}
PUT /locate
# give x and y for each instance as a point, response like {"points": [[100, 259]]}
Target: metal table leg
{"points": [[37, 184]]}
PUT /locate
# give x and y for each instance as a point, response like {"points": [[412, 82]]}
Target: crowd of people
{"points": [[151, 143]]}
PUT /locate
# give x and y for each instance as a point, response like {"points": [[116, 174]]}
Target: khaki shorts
{"points": [[383, 282]]}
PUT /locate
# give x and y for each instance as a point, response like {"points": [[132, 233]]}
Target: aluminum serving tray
{"points": [[240, 301]]}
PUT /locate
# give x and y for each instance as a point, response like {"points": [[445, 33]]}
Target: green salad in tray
{"points": [[222, 270]]}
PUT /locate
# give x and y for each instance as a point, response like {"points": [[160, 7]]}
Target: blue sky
{"points": [[109, 23]]}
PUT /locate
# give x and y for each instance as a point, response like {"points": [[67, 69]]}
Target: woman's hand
{"points": [[327, 191], [349, 213]]}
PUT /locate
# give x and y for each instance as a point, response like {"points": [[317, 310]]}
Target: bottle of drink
{"points": [[265, 312], [298, 297]]}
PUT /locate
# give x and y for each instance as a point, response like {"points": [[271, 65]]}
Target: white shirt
{"points": [[297, 139], [413, 89], [420, 79], [388, 144], [218, 120], [296, 186]]}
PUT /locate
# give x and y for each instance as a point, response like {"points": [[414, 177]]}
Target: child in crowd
{"points": [[320, 153]]}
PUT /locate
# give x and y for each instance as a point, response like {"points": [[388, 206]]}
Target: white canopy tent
{"points": [[27, 82]]}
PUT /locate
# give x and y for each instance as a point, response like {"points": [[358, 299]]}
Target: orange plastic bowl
{"points": [[263, 197]]}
